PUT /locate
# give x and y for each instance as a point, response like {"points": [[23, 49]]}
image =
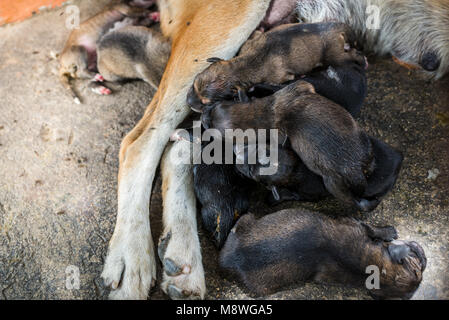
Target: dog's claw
{"points": [[176, 294], [162, 247], [171, 268], [183, 277]]}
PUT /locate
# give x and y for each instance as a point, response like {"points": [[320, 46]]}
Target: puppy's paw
{"points": [[183, 274], [402, 250], [130, 268], [98, 88], [98, 78], [386, 234]]}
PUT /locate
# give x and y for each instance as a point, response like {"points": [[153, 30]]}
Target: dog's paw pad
{"points": [[183, 273], [177, 294]]}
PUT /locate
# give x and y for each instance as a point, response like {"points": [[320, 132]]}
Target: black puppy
{"points": [[294, 181], [322, 134], [345, 85], [224, 197], [297, 245]]}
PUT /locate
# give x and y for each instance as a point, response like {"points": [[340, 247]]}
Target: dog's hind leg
{"points": [[179, 246], [204, 29]]}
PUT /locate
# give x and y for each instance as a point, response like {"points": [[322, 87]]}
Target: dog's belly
{"points": [[279, 11]]}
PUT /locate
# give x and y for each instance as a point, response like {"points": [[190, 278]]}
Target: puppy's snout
{"points": [[419, 251], [193, 101]]}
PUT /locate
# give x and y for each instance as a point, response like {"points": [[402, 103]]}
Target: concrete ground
{"points": [[58, 167]]}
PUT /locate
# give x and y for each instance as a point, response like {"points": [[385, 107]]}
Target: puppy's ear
{"points": [[305, 86], [214, 59]]}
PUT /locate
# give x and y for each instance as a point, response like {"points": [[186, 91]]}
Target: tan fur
{"points": [[115, 64], [199, 29]]}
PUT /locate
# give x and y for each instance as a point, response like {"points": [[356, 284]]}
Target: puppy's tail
{"points": [[65, 80], [387, 164]]}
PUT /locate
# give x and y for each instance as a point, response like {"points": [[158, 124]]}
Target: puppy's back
{"points": [[271, 252]]}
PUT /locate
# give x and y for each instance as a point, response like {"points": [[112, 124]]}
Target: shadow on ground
{"points": [[58, 167]]}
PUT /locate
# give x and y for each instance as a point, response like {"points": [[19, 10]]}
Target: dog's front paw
{"points": [[130, 268], [183, 274]]}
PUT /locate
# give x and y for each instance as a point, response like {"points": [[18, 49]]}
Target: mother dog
{"points": [[199, 29]]}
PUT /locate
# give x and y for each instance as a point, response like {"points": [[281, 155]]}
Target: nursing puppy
{"points": [[346, 85], [78, 59], [224, 197], [323, 134], [294, 181], [133, 52], [297, 245], [221, 191], [274, 57], [414, 31]]}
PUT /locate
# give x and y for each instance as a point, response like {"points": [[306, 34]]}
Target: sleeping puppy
{"points": [[346, 85], [280, 55], [322, 134], [293, 181], [78, 59], [224, 197], [414, 31], [297, 245], [133, 52], [221, 191]]}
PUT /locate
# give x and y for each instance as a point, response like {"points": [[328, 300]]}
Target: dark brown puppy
{"points": [[323, 134], [346, 85], [294, 181], [224, 197], [297, 245], [134, 52], [275, 57]]}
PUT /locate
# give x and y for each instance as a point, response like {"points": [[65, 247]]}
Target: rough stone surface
{"points": [[58, 167]]}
